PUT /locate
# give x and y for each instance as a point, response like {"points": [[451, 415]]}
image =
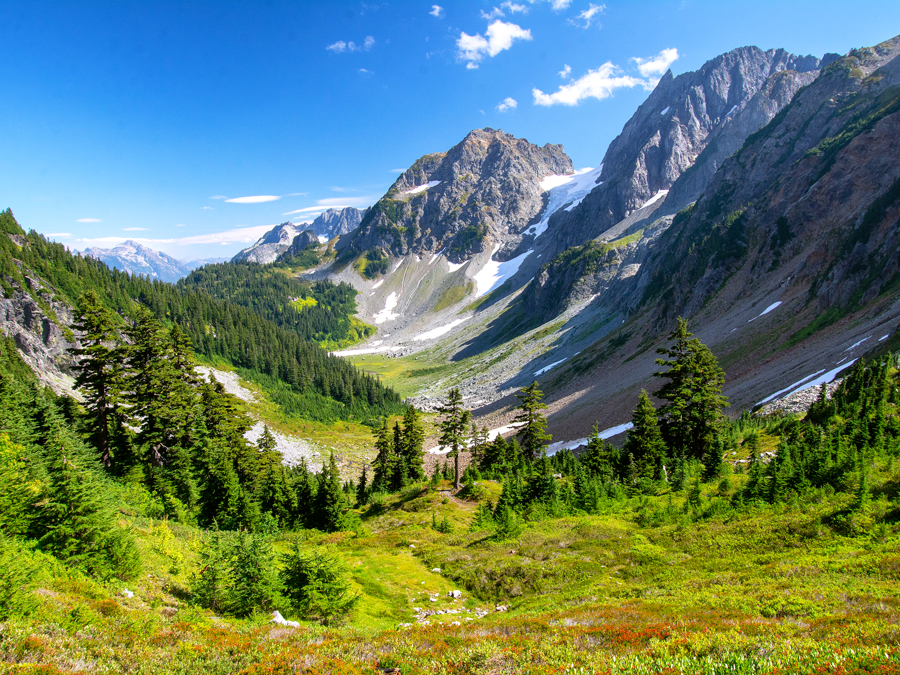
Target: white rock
{"points": [[277, 618], [455, 594], [436, 570], [127, 593]]}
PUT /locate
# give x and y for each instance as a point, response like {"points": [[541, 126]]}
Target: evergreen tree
{"points": [[453, 428], [315, 583], [385, 461], [645, 442], [600, 457], [532, 436], [330, 503], [362, 490], [411, 442], [254, 580], [692, 418], [210, 584], [100, 378]]}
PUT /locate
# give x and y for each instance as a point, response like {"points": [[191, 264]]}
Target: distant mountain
{"points": [[134, 258], [336, 222], [271, 245], [194, 263]]}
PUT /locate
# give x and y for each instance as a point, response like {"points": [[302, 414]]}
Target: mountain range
{"points": [[758, 197]]}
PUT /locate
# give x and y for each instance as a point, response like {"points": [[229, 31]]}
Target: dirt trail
{"points": [[448, 494]]}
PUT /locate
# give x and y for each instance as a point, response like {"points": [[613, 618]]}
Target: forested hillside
{"points": [[321, 387], [321, 312]]}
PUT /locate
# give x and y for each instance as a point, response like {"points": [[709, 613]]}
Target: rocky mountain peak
{"points": [[271, 245], [484, 189]]}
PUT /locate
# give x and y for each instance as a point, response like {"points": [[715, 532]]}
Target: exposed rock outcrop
{"points": [[271, 245]]}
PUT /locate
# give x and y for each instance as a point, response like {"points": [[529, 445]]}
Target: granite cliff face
{"points": [[337, 222], [135, 258], [271, 245], [484, 191], [712, 109]]}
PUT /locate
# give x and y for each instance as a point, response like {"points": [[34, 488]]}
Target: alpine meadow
{"points": [[625, 399]]}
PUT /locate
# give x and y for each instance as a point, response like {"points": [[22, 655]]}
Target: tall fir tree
{"points": [[330, 503], [453, 428], [411, 442], [645, 442], [532, 434]]}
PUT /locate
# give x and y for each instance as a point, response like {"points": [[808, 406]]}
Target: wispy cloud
{"points": [[255, 199], [218, 197], [508, 103], [335, 203], [341, 46], [586, 18], [367, 73], [598, 84], [498, 37], [566, 71], [656, 65], [60, 235], [135, 229], [240, 235], [397, 170], [560, 5], [208, 208], [437, 11], [88, 220]]}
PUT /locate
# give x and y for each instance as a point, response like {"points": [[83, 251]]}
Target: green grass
{"points": [[453, 295]]}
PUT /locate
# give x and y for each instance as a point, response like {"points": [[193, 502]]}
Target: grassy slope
{"points": [[629, 591]]}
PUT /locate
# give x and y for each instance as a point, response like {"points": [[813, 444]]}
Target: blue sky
{"points": [[195, 126]]}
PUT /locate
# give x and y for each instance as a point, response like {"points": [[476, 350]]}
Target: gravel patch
{"points": [[798, 402], [230, 381]]}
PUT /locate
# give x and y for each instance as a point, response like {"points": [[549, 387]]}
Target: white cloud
{"points": [[208, 208], [499, 37], [181, 225], [135, 229], [88, 220], [61, 235], [256, 199], [508, 103], [493, 14], [341, 46], [367, 73], [560, 4], [586, 18], [437, 11], [243, 235], [656, 65], [513, 8], [599, 84], [335, 203], [566, 71], [218, 197]]}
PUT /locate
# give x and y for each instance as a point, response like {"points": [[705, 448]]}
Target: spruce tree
{"points": [[385, 461], [453, 428], [254, 579], [532, 436], [315, 583]]}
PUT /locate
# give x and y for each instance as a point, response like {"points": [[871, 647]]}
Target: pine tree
{"points": [[532, 436], [315, 583], [600, 457], [254, 579], [644, 441], [362, 490], [453, 428], [691, 420]]}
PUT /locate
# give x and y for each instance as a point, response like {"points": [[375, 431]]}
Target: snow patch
{"points": [[438, 332], [655, 198], [453, 266], [377, 284], [665, 110], [856, 344], [807, 383], [547, 368], [494, 273], [728, 114], [790, 387], [437, 255], [765, 311], [885, 337], [387, 313], [566, 190], [422, 188]]}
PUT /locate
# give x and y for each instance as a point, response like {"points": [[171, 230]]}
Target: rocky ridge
{"points": [[271, 245]]}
